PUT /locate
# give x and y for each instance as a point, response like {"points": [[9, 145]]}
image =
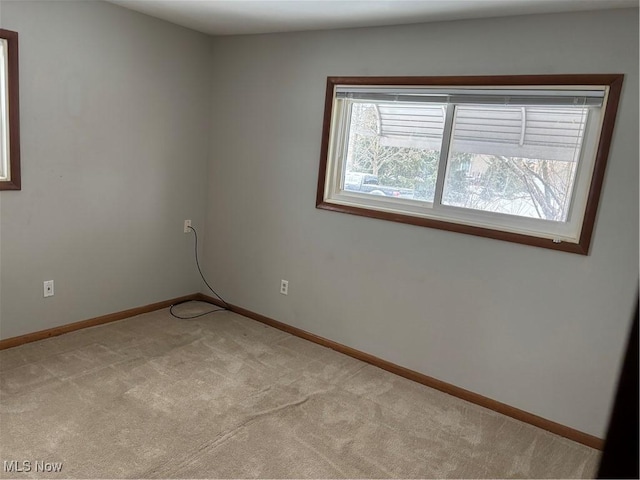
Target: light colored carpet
{"points": [[224, 396]]}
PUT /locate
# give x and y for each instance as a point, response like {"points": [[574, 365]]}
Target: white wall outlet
{"points": [[284, 287], [187, 226], [48, 288]]}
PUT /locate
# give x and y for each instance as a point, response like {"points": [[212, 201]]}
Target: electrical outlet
{"points": [[187, 226], [48, 288], [284, 287]]}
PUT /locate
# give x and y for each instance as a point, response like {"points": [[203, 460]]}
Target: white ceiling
{"points": [[234, 17]]}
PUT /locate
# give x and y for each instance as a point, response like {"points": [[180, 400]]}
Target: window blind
{"points": [[575, 96]]}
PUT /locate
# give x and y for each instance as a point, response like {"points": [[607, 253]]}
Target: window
{"points": [[9, 120], [517, 158]]}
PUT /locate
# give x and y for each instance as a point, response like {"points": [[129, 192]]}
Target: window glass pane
{"points": [[393, 149], [4, 138], [515, 160]]}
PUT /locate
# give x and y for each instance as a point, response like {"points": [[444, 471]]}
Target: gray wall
{"points": [[115, 120], [540, 330]]}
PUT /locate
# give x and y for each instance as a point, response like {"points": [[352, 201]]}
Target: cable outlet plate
{"points": [[284, 287], [48, 288], [187, 226]]}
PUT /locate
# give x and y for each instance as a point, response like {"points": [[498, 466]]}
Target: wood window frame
{"points": [[612, 81], [13, 97]]}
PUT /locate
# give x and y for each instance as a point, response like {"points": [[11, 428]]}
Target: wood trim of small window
{"points": [[14, 182], [613, 81]]}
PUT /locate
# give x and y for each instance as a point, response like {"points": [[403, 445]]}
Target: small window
{"points": [[513, 158], [9, 119]]}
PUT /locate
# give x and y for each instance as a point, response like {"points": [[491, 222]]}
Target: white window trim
{"points": [[5, 165]]}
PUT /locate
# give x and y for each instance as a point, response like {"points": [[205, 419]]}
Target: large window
{"points": [[516, 158], [9, 118]]}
